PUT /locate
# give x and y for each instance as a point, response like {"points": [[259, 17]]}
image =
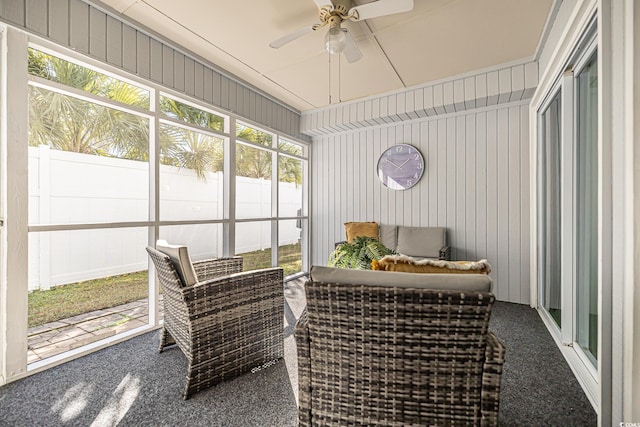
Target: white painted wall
{"points": [[72, 188], [476, 184]]}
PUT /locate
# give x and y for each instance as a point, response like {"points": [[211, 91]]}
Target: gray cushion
{"points": [[181, 261], [389, 236], [454, 282], [421, 241]]}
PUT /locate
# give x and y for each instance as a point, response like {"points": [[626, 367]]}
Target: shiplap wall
{"points": [[476, 184], [86, 29]]}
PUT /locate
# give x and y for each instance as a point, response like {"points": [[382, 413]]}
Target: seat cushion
{"points": [[452, 282], [181, 261], [356, 229], [423, 242], [389, 236]]}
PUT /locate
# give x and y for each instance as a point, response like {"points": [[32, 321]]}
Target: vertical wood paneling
{"points": [[13, 11], [167, 66], [114, 42], [469, 93], [198, 81], [441, 179], [156, 64], [450, 187], [481, 90], [493, 88], [502, 158], [189, 76], [526, 172], [59, 21], [217, 89], [517, 83], [461, 188], [438, 99], [459, 95], [419, 102], [79, 26], [481, 185], [37, 16], [470, 192], [428, 101], [432, 172], [504, 85], [530, 79], [98, 34], [492, 196], [447, 97], [130, 48], [514, 203], [224, 92], [143, 55], [176, 63]]}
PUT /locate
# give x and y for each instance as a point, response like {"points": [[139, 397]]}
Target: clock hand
{"points": [[388, 160], [400, 167]]}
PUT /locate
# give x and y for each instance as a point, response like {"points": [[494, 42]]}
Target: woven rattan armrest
{"points": [[494, 359], [304, 369], [217, 267]]}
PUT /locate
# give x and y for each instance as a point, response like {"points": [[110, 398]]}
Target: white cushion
{"points": [[423, 242], [453, 282], [179, 255]]}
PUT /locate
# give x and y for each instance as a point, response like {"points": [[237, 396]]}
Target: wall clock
{"points": [[400, 167]]}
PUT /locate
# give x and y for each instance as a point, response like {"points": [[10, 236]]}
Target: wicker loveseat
{"points": [[388, 348], [226, 322]]}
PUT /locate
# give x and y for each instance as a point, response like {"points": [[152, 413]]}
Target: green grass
{"points": [[65, 301], [70, 300], [289, 257]]}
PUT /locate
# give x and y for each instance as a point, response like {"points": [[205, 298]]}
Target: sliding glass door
{"points": [[587, 209], [569, 211], [549, 193]]}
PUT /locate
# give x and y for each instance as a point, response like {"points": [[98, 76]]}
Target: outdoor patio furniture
{"points": [[225, 321], [417, 242], [388, 348]]}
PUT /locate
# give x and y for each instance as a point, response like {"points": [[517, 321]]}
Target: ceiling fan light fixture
{"points": [[335, 40]]}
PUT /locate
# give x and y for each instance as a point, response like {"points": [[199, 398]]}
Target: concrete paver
{"points": [[66, 334]]}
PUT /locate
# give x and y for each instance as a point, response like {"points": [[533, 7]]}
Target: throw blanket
{"points": [[408, 264]]}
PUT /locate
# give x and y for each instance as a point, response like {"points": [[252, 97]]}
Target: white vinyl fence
{"points": [[67, 187]]}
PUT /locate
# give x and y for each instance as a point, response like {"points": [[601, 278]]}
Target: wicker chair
{"points": [[227, 323], [370, 354]]}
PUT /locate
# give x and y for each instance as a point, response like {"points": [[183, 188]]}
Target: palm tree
{"points": [[70, 124]]}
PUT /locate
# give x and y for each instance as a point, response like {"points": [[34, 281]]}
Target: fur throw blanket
{"points": [[408, 264]]}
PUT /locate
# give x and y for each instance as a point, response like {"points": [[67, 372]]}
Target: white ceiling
{"points": [[438, 39]]}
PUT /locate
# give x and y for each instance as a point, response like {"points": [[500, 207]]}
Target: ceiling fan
{"points": [[334, 12]]}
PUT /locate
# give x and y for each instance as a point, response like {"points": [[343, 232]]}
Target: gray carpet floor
{"points": [[131, 384]]}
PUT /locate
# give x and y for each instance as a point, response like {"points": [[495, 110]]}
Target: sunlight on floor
{"points": [[123, 397], [73, 402]]}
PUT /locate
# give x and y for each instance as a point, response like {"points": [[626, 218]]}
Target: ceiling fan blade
{"points": [[278, 43], [380, 8], [351, 50], [323, 3]]}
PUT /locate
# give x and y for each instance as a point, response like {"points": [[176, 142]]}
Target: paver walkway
{"points": [[63, 335]]}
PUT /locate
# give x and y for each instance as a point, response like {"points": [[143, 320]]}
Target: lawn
{"points": [[65, 301]]}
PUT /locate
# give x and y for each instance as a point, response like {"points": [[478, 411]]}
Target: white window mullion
{"points": [[15, 284]]}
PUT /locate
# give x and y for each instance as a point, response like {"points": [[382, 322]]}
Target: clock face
{"points": [[400, 167]]}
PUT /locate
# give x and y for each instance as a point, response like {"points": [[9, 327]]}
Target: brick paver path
{"points": [[63, 335]]}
